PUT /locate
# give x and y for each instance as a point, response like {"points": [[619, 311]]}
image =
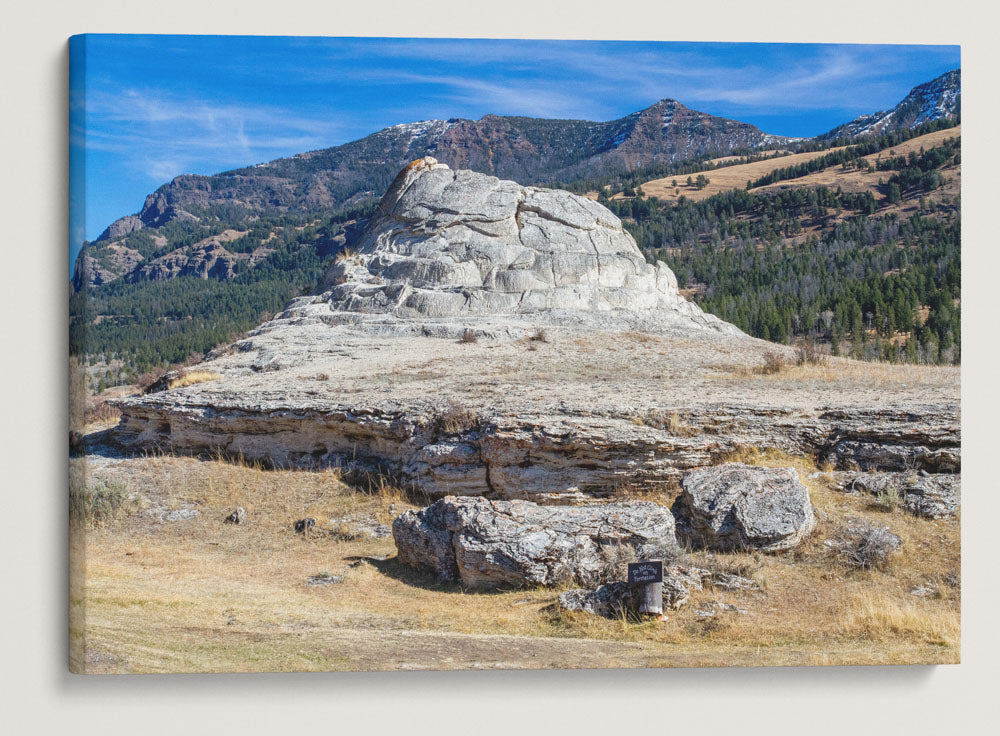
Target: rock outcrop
{"points": [[924, 494], [447, 244], [121, 227], [614, 599], [484, 543], [568, 452], [631, 387], [735, 506], [110, 262]]}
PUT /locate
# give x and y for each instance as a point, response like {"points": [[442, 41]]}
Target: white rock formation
{"points": [[447, 245]]}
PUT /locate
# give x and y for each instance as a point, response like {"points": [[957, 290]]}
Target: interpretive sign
{"points": [[645, 571]]}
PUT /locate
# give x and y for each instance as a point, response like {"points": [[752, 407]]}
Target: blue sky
{"points": [[146, 108]]}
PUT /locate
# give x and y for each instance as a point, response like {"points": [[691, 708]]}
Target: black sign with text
{"points": [[645, 571]]}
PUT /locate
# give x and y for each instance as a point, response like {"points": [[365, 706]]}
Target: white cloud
{"points": [[166, 135]]}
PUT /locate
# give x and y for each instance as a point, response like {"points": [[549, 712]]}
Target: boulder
{"points": [[735, 506], [486, 543]]}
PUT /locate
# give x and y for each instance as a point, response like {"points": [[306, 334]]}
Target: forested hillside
{"points": [[876, 273]]}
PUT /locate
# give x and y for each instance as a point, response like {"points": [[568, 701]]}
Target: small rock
{"points": [[324, 578], [304, 526], [358, 526], [927, 590], [679, 581], [610, 600], [730, 608], [180, 514], [239, 516], [728, 581], [933, 495]]}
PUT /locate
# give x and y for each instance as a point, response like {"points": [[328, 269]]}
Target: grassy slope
{"points": [[202, 595], [735, 177]]}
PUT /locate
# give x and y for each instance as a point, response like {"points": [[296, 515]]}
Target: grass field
{"points": [[198, 594]]}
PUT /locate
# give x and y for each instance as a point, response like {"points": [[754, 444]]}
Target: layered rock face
{"points": [[447, 244], [486, 543]]}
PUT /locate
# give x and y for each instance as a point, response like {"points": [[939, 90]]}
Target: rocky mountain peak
{"points": [[939, 98]]}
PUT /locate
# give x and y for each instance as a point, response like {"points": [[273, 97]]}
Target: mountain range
{"points": [[528, 150]]}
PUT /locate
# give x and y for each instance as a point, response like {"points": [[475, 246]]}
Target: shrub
{"points": [[146, 380], [773, 363], [468, 336], [865, 546], [614, 559], [809, 354], [539, 336], [100, 503], [887, 500], [455, 418], [101, 411]]}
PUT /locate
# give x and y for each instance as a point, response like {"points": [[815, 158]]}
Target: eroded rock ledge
{"points": [[561, 455]]}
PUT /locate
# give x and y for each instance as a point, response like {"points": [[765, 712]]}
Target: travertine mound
{"points": [[735, 506], [447, 244], [485, 543]]}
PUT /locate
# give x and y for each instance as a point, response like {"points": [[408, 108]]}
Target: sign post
{"points": [[649, 575]]}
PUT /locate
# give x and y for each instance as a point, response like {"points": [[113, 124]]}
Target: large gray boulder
{"points": [[485, 543], [736, 506], [447, 244]]}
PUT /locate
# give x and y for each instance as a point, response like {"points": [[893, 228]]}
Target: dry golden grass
{"points": [[202, 595], [189, 378], [671, 421], [724, 179], [845, 369], [736, 177]]}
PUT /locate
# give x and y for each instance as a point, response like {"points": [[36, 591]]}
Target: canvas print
{"points": [[404, 354]]}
